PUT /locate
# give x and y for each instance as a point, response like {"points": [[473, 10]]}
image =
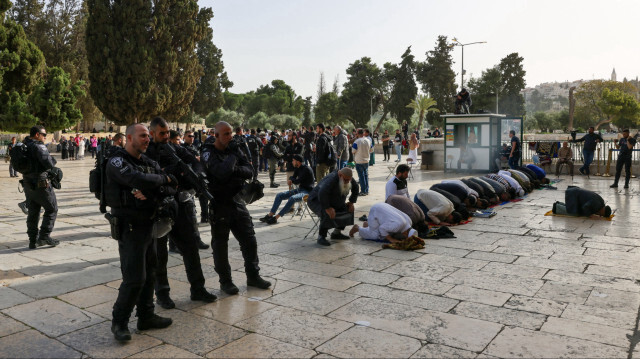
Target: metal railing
{"points": [[527, 153]]}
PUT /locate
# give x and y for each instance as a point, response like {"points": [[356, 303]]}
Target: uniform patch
{"points": [[206, 155], [116, 162]]}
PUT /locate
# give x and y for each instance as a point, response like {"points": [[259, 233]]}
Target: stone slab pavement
{"points": [[516, 285]]}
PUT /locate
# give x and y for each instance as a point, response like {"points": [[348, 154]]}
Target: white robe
{"points": [[384, 220]]}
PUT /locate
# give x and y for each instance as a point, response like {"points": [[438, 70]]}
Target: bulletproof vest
{"points": [[253, 144], [118, 196]]}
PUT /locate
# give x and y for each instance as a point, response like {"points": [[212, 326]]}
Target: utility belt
{"points": [[159, 227], [33, 184]]}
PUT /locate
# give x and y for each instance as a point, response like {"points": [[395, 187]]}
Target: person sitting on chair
{"points": [[408, 207], [398, 184], [327, 201], [565, 155], [303, 177], [466, 157], [582, 203], [385, 223]]}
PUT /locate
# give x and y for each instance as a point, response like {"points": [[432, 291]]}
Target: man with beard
{"points": [[327, 201], [182, 231]]}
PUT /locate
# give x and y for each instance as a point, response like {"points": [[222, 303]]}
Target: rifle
{"points": [[196, 180]]}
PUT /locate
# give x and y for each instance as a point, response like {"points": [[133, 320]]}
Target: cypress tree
{"points": [[142, 60], [404, 88], [208, 97]]}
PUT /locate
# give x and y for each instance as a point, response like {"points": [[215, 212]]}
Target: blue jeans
{"points": [[363, 176], [399, 152], [588, 158], [341, 164], [293, 196], [421, 205]]}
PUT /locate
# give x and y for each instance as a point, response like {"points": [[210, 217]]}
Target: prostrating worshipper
{"points": [[458, 206], [501, 186], [487, 195], [458, 190], [385, 223], [506, 175], [582, 203], [489, 191], [535, 182], [327, 201], [398, 184], [540, 173], [522, 179], [437, 207], [408, 207], [480, 202]]}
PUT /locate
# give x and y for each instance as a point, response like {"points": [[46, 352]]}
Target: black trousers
{"points": [[626, 162], [385, 151], [233, 216], [204, 207], [40, 198], [185, 235], [326, 223], [138, 263], [255, 162]]}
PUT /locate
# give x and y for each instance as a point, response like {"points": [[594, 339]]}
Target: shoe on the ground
{"points": [[581, 171], [154, 322], [363, 217], [626, 185], [338, 235], [323, 241], [165, 301], [47, 241], [274, 185], [615, 185], [229, 288], [264, 219], [258, 282], [202, 295], [120, 331], [174, 249], [271, 220], [202, 245], [23, 207], [32, 245], [362, 194]]}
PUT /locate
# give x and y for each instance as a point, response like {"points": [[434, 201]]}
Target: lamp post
{"points": [[458, 43]]}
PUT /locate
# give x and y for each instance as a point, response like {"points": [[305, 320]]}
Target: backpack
{"points": [[95, 175], [21, 158]]}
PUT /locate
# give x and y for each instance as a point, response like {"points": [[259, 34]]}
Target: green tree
{"points": [[142, 59], [512, 71], [327, 109], [421, 106], [30, 15], [208, 96], [363, 78], [588, 111], [620, 108], [232, 101], [404, 88], [537, 102], [21, 68], [53, 101], [485, 88], [438, 79], [259, 120], [285, 121], [306, 114], [233, 118]]}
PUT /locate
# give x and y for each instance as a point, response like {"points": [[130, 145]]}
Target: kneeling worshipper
{"points": [[437, 207], [581, 203], [458, 206], [385, 223], [522, 179], [506, 175], [488, 196], [540, 173]]}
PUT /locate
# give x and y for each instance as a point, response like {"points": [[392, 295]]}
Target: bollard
{"points": [[606, 174], [598, 162]]}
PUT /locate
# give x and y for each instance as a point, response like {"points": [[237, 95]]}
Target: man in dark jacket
{"points": [[327, 200], [582, 203], [458, 206], [458, 191], [38, 190], [255, 145], [273, 154], [324, 159], [303, 178], [309, 137], [590, 140], [294, 148], [228, 169]]}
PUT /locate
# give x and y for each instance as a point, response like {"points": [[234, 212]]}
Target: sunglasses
{"points": [[191, 136], [43, 133]]}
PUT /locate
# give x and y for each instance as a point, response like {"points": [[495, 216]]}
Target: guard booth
{"points": [[479, 138]]}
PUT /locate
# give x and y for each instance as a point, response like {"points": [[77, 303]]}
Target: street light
{"points": [[458, 43]]}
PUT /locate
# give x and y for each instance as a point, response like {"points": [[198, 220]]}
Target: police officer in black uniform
{"points": [[241, 141], [227, 170], [182, 233], [38, 190], [255, 145], [194, 149], [134, 186], [625, 145]]}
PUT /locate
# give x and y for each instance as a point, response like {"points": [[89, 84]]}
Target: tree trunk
{"points": [[602, 123], [384, 117], [572, 107]]}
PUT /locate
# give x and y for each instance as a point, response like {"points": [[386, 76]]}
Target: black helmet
{"points": [[463, 90]]}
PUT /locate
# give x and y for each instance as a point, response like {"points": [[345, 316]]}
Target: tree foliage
{"points": [[363, 77], [306, 114], [21, 68], [232, 117], [588, 96], [404, 89], [421, 106], [619, 107], [512, 74], [327, 109], [142, 60], [438, 78], [53, 101], [483, 89]]}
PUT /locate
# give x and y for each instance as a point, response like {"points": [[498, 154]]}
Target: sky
{"points": [[296, 40]]}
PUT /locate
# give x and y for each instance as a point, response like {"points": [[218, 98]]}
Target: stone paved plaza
{"points": [[516, 285]]}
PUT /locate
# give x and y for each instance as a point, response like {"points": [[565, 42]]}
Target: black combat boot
{"points": [[153, 322], [165, 301], [120, 331], [258, 282], [228, 287]]}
